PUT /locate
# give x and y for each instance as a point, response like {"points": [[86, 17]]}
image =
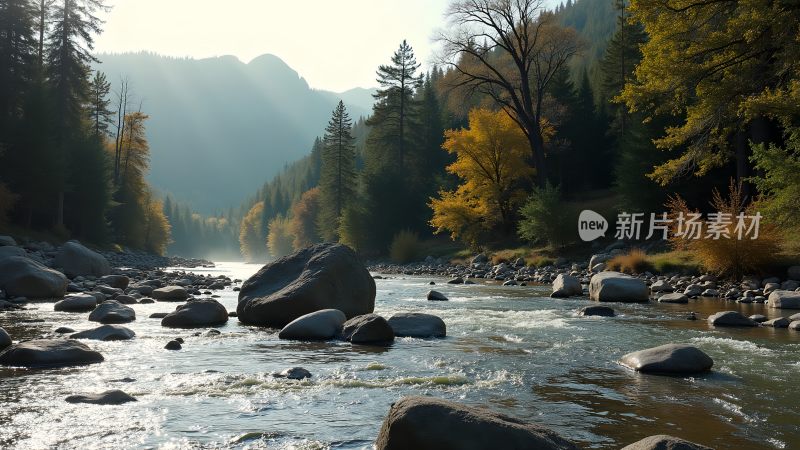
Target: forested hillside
{"points": [[219, 116]]}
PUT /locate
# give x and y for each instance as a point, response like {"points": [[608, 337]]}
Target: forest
{"points": [[528, 116]]}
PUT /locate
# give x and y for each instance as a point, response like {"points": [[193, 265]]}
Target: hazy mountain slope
{"points": [[219, 128]]}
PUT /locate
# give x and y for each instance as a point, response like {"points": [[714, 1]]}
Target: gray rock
{"points": [[76, 303], [426, 423], [780, 322], [49, 353], [323, 276], [368, 329], [436, 296], [758, 318], [173, 345], [566, 286], [170, 294], [457, 280], [784, 299], [12, 251], [675, 297], [112, 397], [295, 373], [730, 319], [794, 317], [7, 240], [664, 442], [418, 325], [669, 359], [480, 259], [64, 330], [76, 260], [5, 339], [617, 287], [794, 325], [115, 281], [23, 277], [197, 313], [106, 333], [319, 325], [111, 311], [126, 299], [597, 310]]}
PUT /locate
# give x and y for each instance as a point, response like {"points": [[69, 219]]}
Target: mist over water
{"points": [[509, 348]]}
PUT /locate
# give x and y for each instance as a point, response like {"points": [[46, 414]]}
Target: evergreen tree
{"points": [[100, 103], [17, 56], [338, 172]]}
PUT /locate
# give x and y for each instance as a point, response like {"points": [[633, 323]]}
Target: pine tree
{"points": [[100, 103], [337, 178], [17, 55]]}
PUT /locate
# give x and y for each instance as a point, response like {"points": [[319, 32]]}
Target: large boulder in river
{"points": [[76, 303], [7, 241], [5, 339], [205, 312], [112, 397], [323, 276], [617, 287], [112, 311], [426, 423], [106, 333], [418, 325], [170, 294], [368, 329], [673, 359], [316, 326], [784, 299], [49, 353], [566, 286], [24, 277], [7, 251], [77, 260], [664, 442]]}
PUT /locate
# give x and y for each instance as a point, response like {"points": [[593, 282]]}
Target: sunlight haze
{"points": [[333, 45]]}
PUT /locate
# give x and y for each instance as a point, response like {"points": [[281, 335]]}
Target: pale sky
{"points": [[334, 45]]}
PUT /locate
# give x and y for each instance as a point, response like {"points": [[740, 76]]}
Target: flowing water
{"points": [[512, 349]]}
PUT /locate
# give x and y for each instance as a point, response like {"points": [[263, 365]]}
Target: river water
{"points": [[512, 349]]}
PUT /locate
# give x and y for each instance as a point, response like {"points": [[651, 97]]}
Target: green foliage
{"points": [[337, 177], [780, 180], [251, 242], [405, 247], [280, 240], [546, 219], [305, 216], [214, 237]]}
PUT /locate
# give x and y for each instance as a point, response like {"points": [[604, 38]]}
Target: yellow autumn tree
{"points": [[250, 241], [491, 162], [157, 230], [280, 238]]}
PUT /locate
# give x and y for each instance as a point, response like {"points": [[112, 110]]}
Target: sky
{"points": [[334, 45]]}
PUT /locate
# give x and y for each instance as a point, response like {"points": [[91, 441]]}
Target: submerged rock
{"points": [[780, 322], [77, 260], [196, 313], [617, 287], [418, 325], [76, 303], [112, 311], [675, 297], [173, 345], [426, 423], [49, 353], [664, 442], [106, 333], [730, 319], [319, 325], [324, 276], [24, 277], [597, 310], [674, 359], [295, 373], [436, 296], [5, 339], [368, 329], [112, 397]]}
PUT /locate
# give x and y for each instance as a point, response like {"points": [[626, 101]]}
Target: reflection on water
{"points": [[509, 348]]}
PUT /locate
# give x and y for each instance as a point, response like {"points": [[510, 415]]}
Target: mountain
{"points": [[218, 127]]}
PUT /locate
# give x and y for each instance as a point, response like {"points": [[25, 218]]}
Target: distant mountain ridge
{"points": [[218, 127]]}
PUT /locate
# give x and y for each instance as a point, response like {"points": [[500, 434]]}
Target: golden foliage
{"points": [[250, 243], [491, 162], [156, 227], [633, 262], [727, 255], [279, 238], [305, 214]]}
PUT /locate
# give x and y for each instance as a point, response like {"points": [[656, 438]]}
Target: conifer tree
{"points": [[100, 103], [337, 177]]}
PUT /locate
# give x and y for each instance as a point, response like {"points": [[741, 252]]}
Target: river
{"points": [[512, 349]]}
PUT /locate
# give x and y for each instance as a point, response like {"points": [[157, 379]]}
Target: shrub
{"points": [[633, 262], [545, 218], [729, 256], [541, 261], [405, 247]]}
